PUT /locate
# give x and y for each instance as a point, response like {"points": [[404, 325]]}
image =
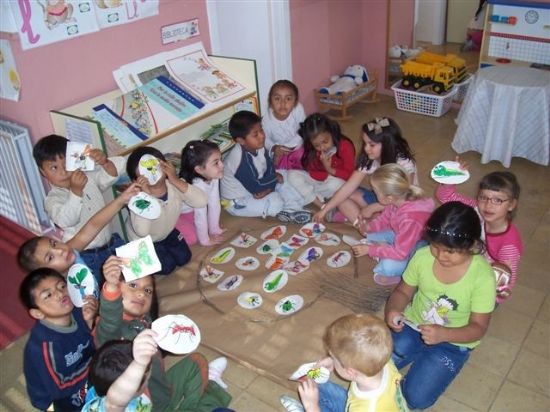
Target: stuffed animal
{"points": [[353, 76]]}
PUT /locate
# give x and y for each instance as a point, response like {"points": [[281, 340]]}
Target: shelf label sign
{"points": [[179, 31]]}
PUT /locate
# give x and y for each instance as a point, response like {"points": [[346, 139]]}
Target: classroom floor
{"points": [[507, 372]]}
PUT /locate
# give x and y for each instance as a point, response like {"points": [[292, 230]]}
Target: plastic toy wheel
{"points": [[406, 83], [417, 85], [438, 88]]}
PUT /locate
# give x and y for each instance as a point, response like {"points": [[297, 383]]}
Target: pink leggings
{"points": [[186, 226], [292, 160]]}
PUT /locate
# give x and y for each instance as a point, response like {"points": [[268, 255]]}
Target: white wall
{"points": [[430, 23]]}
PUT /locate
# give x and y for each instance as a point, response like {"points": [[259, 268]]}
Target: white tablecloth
{"points": [[506, 113]]}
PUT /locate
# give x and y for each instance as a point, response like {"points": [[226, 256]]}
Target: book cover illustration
{"points": [[196, 72], [219, 134]]}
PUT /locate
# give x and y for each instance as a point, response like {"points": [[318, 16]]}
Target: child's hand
{"points": [[129, 192], [432, 334], [309, 395], [394, 320], [97, 156], [144, 347], [169, 170], [112, 270], [362, 225], [369, 211], [280, 178], [89, 309], [319, 217], [262, 194], [77, 182], [143, 183], [325, 160], [463, 164], [360, 250]]}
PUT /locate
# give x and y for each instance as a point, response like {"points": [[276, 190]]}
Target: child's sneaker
{"points": [[291, 404], [386, 280], [216, 369], [299, 217]]}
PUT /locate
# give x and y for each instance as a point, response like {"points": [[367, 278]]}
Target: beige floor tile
{"points": [[249, 403], [446, 404], [531, 371], [538, 339], [544, 312], [515, 398], [495, 355], [268, 391], [509, 325], [238, 375], [525, 300], [475, 387]]}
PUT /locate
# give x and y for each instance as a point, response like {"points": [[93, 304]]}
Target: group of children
{"points": [[439, 310]]}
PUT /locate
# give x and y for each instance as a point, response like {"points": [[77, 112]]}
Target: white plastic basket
{"points": [[463, 88], [423, 103]]}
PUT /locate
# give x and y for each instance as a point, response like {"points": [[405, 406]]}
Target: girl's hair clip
{"points": [[447, 233], [378, 124], [192, 147]]}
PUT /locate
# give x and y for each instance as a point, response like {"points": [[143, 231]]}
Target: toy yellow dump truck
{"points": [[452, 60], [416, 75]]}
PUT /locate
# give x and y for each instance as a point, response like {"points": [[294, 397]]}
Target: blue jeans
{"points": [[332, 397], [95, 258], [172, 251], [387, 266], [433, 366], [368, 195]]}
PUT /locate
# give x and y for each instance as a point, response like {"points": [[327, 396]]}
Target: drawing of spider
{"points": [[230, 282]]}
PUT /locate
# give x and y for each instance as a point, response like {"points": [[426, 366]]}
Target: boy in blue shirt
{"points": [[60, 345], [250, 185]]}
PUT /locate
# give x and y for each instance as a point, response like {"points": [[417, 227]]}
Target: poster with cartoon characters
{"points": [[42, 22], [9, 77], [115, 12]]}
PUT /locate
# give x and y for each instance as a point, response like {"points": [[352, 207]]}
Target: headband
{"points": [[448, 233]]}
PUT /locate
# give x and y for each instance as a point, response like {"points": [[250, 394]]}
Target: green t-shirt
{"points": [[449, 305]]}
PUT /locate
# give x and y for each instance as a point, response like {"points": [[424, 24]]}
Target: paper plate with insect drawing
{"points": [[289, 305], [76, 157], [268, 247], [275, 281], [275, 232], [339, 259], [142, 257], [283, 251], [401, 319], [250, 300], [275, 262], [297, 241], [311, 254], [296, 267], [230, 283], [244, 240], [145, 205], [350, 240], [312, 229], [177, 334], [502, 276], [327, 239], [80, 283], [308, 370], [210, 275], [223, 256], [248, 263], [149, 166], [450, 173]]}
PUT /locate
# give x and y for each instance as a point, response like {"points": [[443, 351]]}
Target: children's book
{"points": [[219, 134]]}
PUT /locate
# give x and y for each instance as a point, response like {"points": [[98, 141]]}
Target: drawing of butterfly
{"points": [[143, 258]]}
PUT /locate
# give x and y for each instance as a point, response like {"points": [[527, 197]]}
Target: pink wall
{"points": [[64, 73]]}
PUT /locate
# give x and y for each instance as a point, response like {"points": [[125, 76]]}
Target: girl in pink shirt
{"points": [[496, 203]]}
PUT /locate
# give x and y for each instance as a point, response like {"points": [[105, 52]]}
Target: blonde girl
{"points": [[394, 235], [281, 125]]}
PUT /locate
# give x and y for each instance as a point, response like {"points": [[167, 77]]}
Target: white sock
{"points": [[216, 369]]}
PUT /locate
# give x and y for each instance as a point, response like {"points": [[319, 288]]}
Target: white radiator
{"points": [[21, 189]]}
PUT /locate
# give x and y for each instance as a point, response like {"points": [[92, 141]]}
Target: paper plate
{"points": [[308, 370], [350, 240], [149, 166], [250, 300], [327, 239], [275, 232], [223, 256], [210, 275], [297, 241], [339, 259], [268, 247], [311, 254], [275, 262], [275, 281], [244, 240], [145, 205], [312, 229], [230, 283], [248, 263], [411, 324], [142, 256], [502, 275], [81, 282], [283, 251], [296, 267], [76, 157], [450, 173], [289, 305], [177, 334]]}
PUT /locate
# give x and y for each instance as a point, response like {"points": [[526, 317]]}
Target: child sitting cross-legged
{"points": [[60, 345], [191, 384], [250, 185], [359, 348]]}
